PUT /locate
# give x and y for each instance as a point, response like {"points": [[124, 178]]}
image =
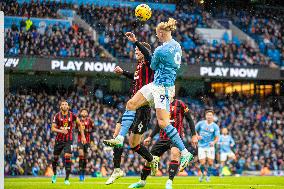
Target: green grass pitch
{"points": [[152, 183]]}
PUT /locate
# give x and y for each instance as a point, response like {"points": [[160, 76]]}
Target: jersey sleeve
{"points": [[55, 120], [155, 59], [232, 141], [197, 126], [217, 131]]}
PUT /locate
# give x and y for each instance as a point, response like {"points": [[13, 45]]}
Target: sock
{"points": [[209, 172], [117, 153], [146, 171], [82, 164], [220, 169], [202, 168], [54, 164], [67, 167], [173, 169], [175, 138], [127, 120], [142, 150]]}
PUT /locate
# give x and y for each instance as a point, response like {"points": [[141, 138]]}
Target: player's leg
{"points": [[172, 133], [117, 172], [223, 158], [158, 149], [173, 167], [82, 162], [68, 163], [57, 151], [128, 117], [210, 161], [117, 154], [162, 98], [202, 161]]}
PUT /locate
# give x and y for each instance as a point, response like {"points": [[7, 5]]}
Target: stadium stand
{"points": [[257, 127]]}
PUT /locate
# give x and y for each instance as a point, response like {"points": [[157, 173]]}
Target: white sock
{"points": [[121, 138], [184, 152]]}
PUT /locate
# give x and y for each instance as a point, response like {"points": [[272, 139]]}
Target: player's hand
{"points": [[232, 145], [194, 140], [118, 70], [64, 131], [131, 37], [84, 141], [212, 144], [147, 141]]}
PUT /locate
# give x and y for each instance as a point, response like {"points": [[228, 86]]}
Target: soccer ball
{"points": [[143, 12]]}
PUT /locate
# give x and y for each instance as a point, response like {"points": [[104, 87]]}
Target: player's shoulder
{"points": [[216, 125], [200, 122]]}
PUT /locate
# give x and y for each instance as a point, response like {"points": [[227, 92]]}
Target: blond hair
{"points": [[170, 25]]}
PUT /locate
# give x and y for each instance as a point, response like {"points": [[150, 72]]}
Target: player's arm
{"points": [[55, 129], [155, 60], [54, 126], [232, 142], [144, 51], [191, 124], [217, 135], [81, 129], [117, 129], [118, 70], [155, 131], [128, 74], [147, 54]]}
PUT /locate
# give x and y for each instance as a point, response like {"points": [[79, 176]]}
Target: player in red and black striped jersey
{"points": [[178, 111], [143, 75], [63, 125], [88, 126]]}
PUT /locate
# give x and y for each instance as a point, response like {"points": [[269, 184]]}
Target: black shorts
{"points": [[85, 147], [62, 146], [141, 121], [160, 147]]}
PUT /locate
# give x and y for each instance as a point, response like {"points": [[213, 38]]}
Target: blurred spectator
{"points": [[257, 128]]}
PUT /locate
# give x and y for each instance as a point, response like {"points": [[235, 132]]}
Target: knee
{"points": [[133, 143], [131, 105], [162, 122], [175, 157]]}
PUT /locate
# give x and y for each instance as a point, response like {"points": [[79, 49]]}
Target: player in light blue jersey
{"points": [[226, 142], [208, 132], [165, 61]]}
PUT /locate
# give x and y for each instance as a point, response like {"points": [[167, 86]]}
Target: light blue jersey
{"points": [[225, 142], [166, 61], [207, 132]]}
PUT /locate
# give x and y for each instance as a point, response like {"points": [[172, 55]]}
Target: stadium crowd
{"points": [[53, 41], [264, 24], [257, 127], [112, 22]]}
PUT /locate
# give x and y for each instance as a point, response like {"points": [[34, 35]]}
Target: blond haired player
{"points": [[165, 61]]}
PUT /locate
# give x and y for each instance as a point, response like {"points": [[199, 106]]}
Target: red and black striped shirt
{"points": [[64, 122], [178, 109], [143, 75], [88, 126]]}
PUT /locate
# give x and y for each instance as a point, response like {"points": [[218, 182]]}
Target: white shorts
{"points": [[158, 95], [207, 152], [225, 155]]}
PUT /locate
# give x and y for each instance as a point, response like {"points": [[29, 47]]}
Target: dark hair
{"points": [[208, 110], [146, 45], [82, 109]]}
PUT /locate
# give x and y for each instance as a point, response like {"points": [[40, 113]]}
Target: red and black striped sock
{"points": [[146, 171], [67, 167], [173, 169], [142, 150], [82, 164], [54, 164]]}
